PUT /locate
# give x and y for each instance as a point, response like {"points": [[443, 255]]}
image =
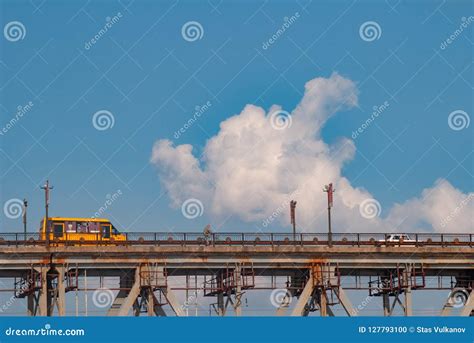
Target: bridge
{"points": [[308, 273]]}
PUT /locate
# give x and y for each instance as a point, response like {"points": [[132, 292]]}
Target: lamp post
{"points": [[330, 191], [25, 206], [293, 217], [46, 189]]}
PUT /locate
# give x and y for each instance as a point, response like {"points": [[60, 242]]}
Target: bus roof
{"points": [[73, 219]]}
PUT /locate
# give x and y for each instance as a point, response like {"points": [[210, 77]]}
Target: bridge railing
{"points": [[239, 238]]}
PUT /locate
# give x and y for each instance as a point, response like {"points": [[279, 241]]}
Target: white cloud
{"points": [[249, 169], [442, 208]]}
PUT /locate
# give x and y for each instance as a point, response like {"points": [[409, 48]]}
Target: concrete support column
{"points": [[220, 304], [386, 304], [150, 303], [31, 304], [61, 292], [408, 302], [408, 296], [44, 296], [323, 303]]}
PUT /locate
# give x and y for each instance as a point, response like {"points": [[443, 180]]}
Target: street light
{"points": [[330, 191], [25, 206], [293, 217], [46, 189]]}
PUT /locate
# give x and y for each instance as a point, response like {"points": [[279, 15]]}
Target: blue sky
{"points": [[151, 80]]}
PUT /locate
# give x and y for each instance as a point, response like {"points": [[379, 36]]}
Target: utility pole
{"points": [[46, 189], [25, 206], [293, 217], [330, 191]]}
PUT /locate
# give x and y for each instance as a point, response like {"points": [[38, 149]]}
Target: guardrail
{"points": [[243, 239]]}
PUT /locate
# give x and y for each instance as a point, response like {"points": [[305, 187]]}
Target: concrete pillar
{"points": [[386, 304], [31, 304], [220, 304], [43, 297], [150, 303], [408, 296], [323, 303], [61, 292]]}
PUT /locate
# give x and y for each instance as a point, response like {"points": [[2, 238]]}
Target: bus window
{"points": [[70, 227], [93, 227], [82, 227], [105, 231], [58, 229]]}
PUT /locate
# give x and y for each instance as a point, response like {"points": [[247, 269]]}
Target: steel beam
{"points": [[345, 302], [299, 308], [285, 303], [238, 291], [468, 308], [173, 302], [157, 308], [124, 300], [447, 307], [329, 311], [131, 297]]}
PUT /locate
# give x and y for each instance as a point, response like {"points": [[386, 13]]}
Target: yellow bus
{"points": [[85, 230]]}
